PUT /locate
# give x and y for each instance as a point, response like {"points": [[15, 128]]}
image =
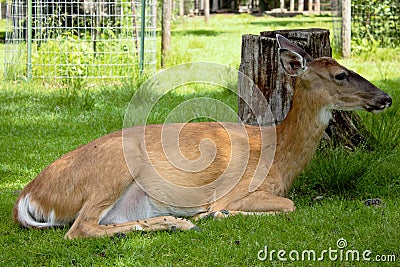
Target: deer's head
{"points": [[334, 85]]}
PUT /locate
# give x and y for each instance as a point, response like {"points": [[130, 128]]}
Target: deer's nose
{"points": [[379, 102], [386, 101]]}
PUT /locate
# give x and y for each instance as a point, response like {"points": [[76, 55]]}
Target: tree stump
{"points": [[259, 62]]}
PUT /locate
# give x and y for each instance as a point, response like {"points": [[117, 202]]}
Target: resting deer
{"points": [[104, 187]]}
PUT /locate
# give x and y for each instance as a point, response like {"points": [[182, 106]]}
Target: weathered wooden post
{"points": [[181, 8], [206, 11], [166, 30], [259, 62], [301, 6], [310, 6], [317, 8], [291, 6], [346, 28]]}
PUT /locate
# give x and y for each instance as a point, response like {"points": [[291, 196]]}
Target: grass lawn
{"points": [[39, 122]]}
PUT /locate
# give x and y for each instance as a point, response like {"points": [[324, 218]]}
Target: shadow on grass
{"points": [[2, 36], [199, 32], [282, 22]]}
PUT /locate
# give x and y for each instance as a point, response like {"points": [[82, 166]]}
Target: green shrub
{"points": [[69, 56], [375, 23]]}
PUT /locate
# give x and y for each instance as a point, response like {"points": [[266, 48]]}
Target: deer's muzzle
{"points": [[379, 103]]}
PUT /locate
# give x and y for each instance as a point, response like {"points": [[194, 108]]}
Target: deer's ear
{"points": [[292, 62], [288, 45], [292, 58]]}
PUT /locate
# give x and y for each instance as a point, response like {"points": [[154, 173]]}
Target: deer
{"points": [[109, 186]]}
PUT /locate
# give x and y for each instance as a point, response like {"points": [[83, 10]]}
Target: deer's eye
{"points": [[341, 76]]}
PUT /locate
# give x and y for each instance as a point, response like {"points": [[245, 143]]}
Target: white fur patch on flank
{"points": [[132, 205], [325, 115], [30, 215]]}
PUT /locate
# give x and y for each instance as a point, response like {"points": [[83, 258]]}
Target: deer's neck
{"points": [[298, 136]]}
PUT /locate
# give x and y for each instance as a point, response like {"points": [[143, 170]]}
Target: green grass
{"points": [[39, 122], [236, 241], [221, 41]]}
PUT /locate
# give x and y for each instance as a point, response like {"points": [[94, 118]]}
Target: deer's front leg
{"points": [[260, 201], [256, 203], [84, 228]]}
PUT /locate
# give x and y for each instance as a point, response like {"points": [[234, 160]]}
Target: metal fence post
{"points": [[29, 40]]}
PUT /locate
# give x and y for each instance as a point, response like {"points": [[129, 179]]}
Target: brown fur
{"points": [[84, 184]]}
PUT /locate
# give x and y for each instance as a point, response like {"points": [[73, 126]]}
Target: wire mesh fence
{"points": [[79, 39], [336, 11], [376, 21], [374, 24]]}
